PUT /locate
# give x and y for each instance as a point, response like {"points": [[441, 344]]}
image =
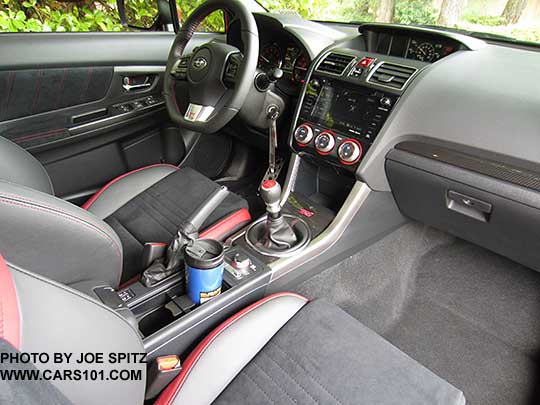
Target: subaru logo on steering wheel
{"points": [[200, 63]]}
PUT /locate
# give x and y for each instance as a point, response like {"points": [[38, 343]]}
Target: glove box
{"points": [[482, 200]]}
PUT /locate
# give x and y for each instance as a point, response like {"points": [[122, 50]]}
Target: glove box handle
{"points": [[469, 206]]}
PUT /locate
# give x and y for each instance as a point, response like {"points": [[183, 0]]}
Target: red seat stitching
{"points": [[93, 199], [170, 392]]}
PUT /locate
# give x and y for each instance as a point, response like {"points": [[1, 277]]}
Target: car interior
{"points": [[375, 189]]}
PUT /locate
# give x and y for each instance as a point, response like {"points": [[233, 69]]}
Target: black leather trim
{"points": [[52, 237], [20, 167]]}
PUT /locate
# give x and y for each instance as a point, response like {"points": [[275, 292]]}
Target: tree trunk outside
{"points": [[385, 11], [451, 11], [513, 10]]}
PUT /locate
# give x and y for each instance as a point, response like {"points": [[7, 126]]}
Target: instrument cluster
{"points": [[290, 58], [428, 51], [425, 48]]}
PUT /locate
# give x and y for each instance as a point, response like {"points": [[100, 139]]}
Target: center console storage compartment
{"points": [[480, 199], [171, 324]]}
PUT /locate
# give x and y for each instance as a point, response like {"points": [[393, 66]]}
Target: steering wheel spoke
{"points": [[232, 66], [179, 69]]}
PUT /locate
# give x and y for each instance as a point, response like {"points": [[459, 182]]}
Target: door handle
{"points": [[129, 87], [134, 83]]}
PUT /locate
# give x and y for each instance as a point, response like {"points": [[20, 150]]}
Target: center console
{"points": [[346, 102]]}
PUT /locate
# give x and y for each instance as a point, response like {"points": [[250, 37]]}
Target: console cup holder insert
{"points": [[256, 231]]}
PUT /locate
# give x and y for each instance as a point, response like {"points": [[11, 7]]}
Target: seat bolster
{"points": [[217, 360], [20, 167], [52, 237], [122, 189], [57, 319]]}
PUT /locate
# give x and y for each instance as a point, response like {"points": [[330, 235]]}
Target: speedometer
{"points": [[270, 57], [425, 52]]}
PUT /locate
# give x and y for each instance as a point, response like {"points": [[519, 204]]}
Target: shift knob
{"points": [[271, 195]]}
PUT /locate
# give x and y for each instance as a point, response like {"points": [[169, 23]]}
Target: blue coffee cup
{"points": [[204, 269]]}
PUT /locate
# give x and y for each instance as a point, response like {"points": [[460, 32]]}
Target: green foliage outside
{"points": [[101, 15], [415, 12], [89, 15], [405, 12], [489, 20]]}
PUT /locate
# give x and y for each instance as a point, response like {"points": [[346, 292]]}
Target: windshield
{"points": [[517, 19]]}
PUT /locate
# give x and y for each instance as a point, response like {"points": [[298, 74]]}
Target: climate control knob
{"points": [[325, 142], [385, 102], [303, 134], [349, 152]]}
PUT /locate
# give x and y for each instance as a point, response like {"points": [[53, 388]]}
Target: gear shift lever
{"points": [[271, 195], [279, 232]]}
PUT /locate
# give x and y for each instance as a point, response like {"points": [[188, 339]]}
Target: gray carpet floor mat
{"points": [[469, 315]]}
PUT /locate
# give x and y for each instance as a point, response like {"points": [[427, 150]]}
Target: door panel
{"points": [[67, 99], [33, 91]]}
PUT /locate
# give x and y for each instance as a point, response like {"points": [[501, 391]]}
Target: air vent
{"points": [[391, 75], [335, 63]]}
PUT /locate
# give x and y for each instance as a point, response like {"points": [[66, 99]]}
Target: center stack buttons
{"points": [[325, 142], [303, 134], [350, 151]]}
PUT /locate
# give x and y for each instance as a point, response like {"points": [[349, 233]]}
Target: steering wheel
{"points": [[215, 79]]}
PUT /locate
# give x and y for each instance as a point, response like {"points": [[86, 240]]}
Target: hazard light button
{"points": [[365, 62]]}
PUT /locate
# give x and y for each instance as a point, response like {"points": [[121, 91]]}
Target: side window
{"points": [[73, 16], [215, 22]]}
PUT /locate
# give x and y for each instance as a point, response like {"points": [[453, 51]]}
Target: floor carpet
{"points": [[469, 315]]}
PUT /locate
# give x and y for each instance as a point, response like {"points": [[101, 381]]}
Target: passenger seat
{"points": [[281, 349]]}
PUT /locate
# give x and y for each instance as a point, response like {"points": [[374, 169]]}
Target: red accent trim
{"points": [[93, 199], [269, 184], [37, 135], [359, 156], [224, 227], [156, 243], [9, 307], [303, 145], [127, 283], [167, 396]]}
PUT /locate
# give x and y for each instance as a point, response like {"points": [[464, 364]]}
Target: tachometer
{"points": [[270, 57], [300, 69], [425, 52]]}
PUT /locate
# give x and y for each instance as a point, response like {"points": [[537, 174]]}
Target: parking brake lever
{"points": [[272, 115], [188, 231]]}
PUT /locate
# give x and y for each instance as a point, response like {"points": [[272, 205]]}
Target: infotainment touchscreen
{"points": [[343, 109]]}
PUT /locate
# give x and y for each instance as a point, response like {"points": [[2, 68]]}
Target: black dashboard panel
{"points": [[425, 49], [409, 43]]}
